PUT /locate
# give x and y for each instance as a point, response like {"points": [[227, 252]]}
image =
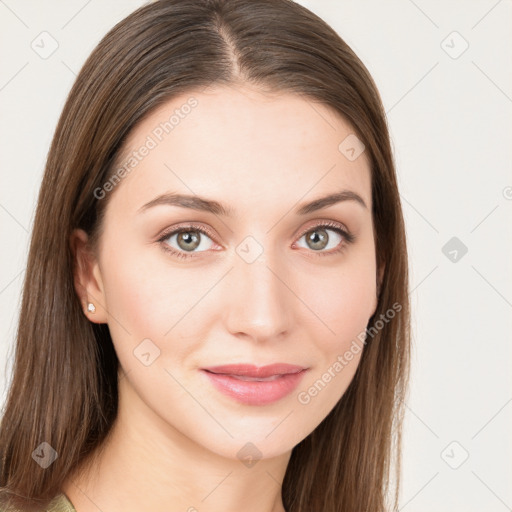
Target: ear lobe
{"points": [[88, 287]]}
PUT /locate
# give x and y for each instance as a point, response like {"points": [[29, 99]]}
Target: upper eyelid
{"points": [[330, 224]]}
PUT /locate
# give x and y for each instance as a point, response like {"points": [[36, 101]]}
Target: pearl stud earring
{"points": [[91, 307]]}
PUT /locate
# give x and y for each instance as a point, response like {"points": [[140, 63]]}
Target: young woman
{"points": [[215, 314]]}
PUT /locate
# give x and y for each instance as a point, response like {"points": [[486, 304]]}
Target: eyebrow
{"points": [[195, 202]]}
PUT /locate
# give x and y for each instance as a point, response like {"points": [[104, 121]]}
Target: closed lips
{"points": [[253, 385]]}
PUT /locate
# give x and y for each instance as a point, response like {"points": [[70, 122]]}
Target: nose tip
{"points": [[260, 304]]}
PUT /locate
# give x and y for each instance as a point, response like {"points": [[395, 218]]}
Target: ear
{"points": [[87, 277]]}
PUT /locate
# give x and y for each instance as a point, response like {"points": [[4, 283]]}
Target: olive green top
{"points": [[60, 503]]}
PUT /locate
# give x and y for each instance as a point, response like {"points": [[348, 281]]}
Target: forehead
{"points": [[242, 145]]}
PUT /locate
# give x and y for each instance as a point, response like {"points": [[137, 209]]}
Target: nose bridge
{"points": [[260, 303]]}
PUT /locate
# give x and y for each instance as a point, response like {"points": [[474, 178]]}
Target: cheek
{"points": [[142, 283], [344, 310], [130, 293], [343, 301], [144, 297]]}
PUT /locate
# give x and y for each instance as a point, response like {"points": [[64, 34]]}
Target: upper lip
{"points": [[249, 370]]}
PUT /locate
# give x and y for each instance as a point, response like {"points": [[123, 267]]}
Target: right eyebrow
{"points": [[189, 201]]}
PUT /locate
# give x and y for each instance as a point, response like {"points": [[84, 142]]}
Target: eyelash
{"points": [[348, 238]]}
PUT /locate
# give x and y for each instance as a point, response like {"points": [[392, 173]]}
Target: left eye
{"points": [[319, 239]]}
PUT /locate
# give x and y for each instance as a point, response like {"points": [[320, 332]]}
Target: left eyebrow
{"points": [[202, 204], [324, 202]]}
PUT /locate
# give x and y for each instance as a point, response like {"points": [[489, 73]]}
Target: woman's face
{"points": [[254, 277]]}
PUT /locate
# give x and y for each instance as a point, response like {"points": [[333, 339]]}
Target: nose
{"points": [[260, 304]]}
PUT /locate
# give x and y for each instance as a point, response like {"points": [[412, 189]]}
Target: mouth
{"points": [[253, 385]]}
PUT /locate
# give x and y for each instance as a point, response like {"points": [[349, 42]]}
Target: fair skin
{"points": [[175, 442]]}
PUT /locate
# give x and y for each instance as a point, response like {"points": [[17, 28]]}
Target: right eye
{"points": [[183, 241]]}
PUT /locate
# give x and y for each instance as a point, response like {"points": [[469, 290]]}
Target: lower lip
{"points": [[255, 392]]}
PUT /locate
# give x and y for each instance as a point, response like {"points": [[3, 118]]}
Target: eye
{"points": [[318, 238], [188, 239], [185, 241]]}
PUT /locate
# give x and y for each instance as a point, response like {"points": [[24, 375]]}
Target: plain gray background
{"points": [[444, 72]]}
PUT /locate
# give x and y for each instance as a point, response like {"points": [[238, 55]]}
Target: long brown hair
{"points": [[64, 387]]}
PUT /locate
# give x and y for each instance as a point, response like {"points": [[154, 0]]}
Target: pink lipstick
{"points": [[253, 385]]}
